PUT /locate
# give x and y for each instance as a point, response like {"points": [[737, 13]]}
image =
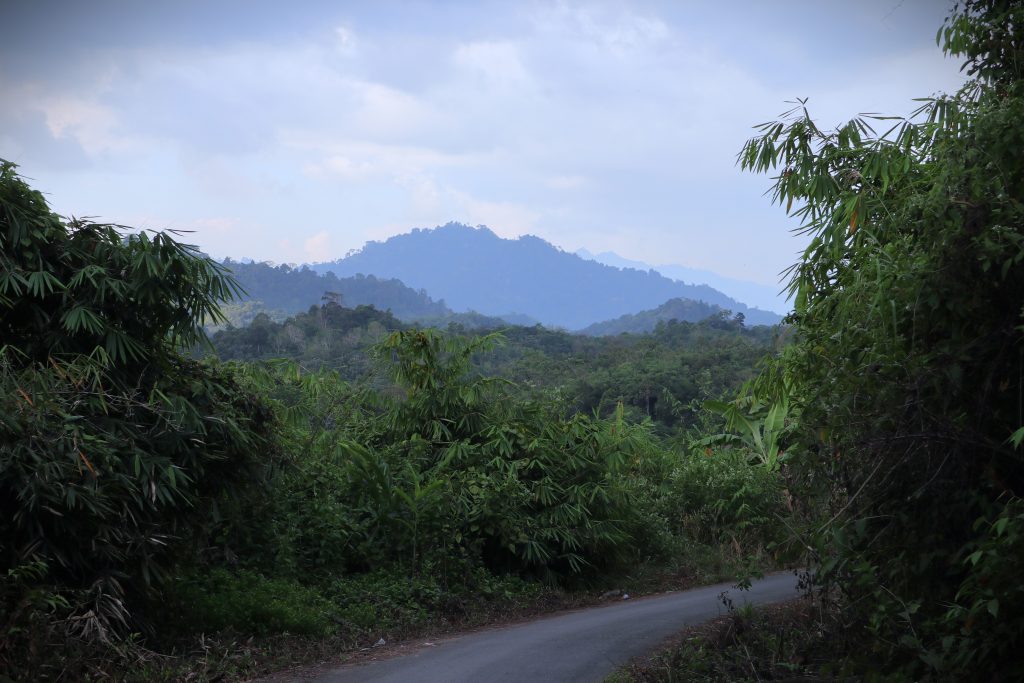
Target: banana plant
{"points": [[752, 426]]}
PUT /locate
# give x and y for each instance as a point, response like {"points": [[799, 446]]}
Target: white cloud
{"points": [[93, 125], [497, 64], [318, 247], [346, 40], [425, 198], [565, 182], [507, 219], [383, 111], [342, 167], [615, 28], [355, 160]]}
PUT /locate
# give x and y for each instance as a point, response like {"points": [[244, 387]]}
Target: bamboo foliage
{"points": [[117, 452], [451, 464], [906, 373]]}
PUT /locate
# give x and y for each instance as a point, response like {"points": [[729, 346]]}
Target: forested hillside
{"points": [[474, 269], [327, 336], [279, 291], [767, 297], [686, 310], [290, 290], [662, 375]]}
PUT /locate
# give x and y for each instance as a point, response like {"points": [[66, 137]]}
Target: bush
{"points": [[721, 497], [246, 602], [118, 454], [445, 469], [907, 366]]}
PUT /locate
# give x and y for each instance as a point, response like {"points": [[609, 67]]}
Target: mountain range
{"points": [[473, 269], [767, 297], [288, 289]]}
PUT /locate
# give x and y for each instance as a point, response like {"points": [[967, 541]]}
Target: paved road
{"points": [[585, 645]]}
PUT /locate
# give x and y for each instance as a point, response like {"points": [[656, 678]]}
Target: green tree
{"points": [[908, 362], [117, 451]]}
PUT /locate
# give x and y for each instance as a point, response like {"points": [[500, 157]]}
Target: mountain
{"points": [[280, 291], [474, 269], [683, 310], [294, 290], [766, 297]]}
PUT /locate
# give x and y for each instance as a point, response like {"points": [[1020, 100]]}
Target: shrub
{"points": [[246, 602], [117, 452]]}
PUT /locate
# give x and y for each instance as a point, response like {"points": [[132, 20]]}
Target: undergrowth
{"points": [[793, 641]]}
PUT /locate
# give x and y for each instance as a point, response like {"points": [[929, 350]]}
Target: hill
{"points": [[292, 290], [683, 310], [768, 297], [474, 269], [687, 361]]}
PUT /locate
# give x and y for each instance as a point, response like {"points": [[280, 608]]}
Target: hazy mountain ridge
{"points": [[280, 291], [766, 297], [295, 289], [475, 269]]}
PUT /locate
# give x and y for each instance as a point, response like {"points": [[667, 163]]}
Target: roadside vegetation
{"points": [[176, 509], [170, 515], [903, 387]]}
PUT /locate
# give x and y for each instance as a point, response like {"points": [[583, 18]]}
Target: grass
{"points": [[791, 641]]}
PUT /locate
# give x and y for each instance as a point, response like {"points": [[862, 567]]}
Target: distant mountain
{"points": [[474, 269], [472, 321], [683, 310], [293, 290], [765, 297], [281, 291]]}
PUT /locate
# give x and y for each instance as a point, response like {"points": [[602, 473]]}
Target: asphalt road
{"points": [[584, 645]]}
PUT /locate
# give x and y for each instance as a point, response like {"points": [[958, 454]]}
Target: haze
{"points": [[295, 132]]}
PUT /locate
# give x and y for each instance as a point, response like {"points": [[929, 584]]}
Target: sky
{"points": [[297, 131]]}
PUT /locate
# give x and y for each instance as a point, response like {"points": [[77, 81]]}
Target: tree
{"points": [[908, 362], [117, 451]]}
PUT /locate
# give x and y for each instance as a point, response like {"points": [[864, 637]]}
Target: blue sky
{"points": [[296, 131]]}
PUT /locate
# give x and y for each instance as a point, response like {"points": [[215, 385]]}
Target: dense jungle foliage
{"points": [[663, 376], [118, 454], [161, 503], [681, 310], [904, 384]]}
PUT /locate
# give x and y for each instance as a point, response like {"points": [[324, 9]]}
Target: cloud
{"points": [[496, 64], [93, 125], [425, 198], [507, 219], [565, 182], [346, 40], [617, 29], [318, 247], [356, 160], [381, 111], [342, 167], [569, 120]]}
